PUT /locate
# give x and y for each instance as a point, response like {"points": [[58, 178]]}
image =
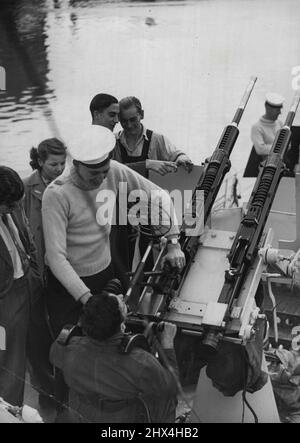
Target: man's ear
{"points": [[97, 114], [142, 114]]}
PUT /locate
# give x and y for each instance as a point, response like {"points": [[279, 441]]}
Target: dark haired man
{"points": [[137, 145], [104, 109], [19, 277], [110, 386]]}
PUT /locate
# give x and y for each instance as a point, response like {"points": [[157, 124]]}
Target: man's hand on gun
{"points": [[166, 335], [174, 257]]}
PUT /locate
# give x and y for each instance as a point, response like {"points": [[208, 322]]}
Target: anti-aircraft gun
{"points": [[202, 304], [245, 265], [163, 285], [231, 324]]}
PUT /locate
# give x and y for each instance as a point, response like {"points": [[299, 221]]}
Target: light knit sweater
{"points": [[263, 134], [76, 244]]}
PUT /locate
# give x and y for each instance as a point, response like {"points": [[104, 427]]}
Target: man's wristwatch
{"points": [[173, 241]]}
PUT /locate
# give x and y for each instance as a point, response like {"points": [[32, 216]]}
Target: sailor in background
{"points": [[263, 133]]}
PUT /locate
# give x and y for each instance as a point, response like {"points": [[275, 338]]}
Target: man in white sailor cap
{"points": [[263, 132], [77, 243]]}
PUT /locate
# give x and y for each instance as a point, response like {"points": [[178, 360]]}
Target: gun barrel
{"points": [[211, 181], [219, 163], [238, 115], [293, 109]]}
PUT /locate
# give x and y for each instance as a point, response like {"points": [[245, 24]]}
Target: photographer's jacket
{"points": [[109, 386]]}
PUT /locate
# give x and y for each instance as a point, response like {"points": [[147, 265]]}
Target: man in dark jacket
{"points": [[108, 385], [19, 279]]}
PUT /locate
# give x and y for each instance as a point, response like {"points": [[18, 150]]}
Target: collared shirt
{"points": [[160, 147], [4, 232]]}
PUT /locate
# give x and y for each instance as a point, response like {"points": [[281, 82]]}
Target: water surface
{"points": [[188, 62]]}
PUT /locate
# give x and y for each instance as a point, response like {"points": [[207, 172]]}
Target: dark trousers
{"points": [[39, 341], [120, 253], [14, 317], [62, 307]]}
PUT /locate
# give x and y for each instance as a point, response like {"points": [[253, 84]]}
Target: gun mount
{"points": [[248, 240]]}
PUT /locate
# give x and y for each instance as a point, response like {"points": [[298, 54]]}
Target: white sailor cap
{"points": [[275, 100], [93, 146]]}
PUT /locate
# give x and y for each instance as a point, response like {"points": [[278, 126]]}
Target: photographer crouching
{"points": [[106, 384]]}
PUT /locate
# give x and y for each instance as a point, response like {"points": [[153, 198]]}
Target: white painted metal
{"points": [[211, 406]]}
